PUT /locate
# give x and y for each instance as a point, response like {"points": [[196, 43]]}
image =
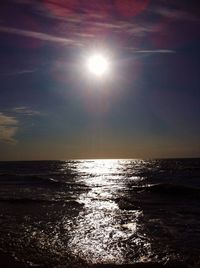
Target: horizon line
{"points": [[96, 159]]}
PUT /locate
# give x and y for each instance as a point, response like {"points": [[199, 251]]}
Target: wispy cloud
{"points": [[129, 28], [8, 128], [176, 14], [153, 50], [37, 35], [26, 111], [79, 26], [17, 72]]}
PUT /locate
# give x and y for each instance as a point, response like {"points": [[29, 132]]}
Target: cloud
{"points": [[174, 13], [25, 111], [127, 27], [7, 120], [8, 128], [77, 26], [9, 125], [151, 51], [37, 35], [19, 72]]}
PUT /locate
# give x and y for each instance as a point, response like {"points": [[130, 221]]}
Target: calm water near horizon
{"points": [[79, 212]]}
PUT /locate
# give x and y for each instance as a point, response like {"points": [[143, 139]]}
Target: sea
{"points": [[100, 213]]}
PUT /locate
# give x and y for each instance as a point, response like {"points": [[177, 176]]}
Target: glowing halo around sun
{"points": [[98, 65]]}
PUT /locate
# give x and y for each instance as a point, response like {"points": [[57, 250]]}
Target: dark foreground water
{"points": [[117, 212]]}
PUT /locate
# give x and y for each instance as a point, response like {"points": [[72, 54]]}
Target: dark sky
{"points": [[148, 105]]}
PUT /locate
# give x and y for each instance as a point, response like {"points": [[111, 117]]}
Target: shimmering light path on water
{"points": [[103, 231]]}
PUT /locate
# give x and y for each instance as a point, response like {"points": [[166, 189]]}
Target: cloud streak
{"points": [[37, 35], [24, 110], [19, 72], [151, 51]]}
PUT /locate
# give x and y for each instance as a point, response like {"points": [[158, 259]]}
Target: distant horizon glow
{"points": [[98, 64]]}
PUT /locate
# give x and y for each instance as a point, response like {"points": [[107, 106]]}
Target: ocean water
{"points": [[79, 213]]}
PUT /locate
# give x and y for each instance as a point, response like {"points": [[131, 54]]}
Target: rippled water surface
{"points": [[100, 211]]}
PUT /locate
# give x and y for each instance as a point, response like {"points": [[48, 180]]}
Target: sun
{"points": [[98, 64]]}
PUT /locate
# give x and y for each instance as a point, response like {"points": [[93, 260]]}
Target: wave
{"points": [[18, 179], [26, 201], [33, 181], [24, 178], [169, 189], [139, 196]]}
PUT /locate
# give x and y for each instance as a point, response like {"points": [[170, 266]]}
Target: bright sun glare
{"points": [[98, 64]]}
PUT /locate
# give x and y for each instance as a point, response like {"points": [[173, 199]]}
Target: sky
{"points": [[146, 106]]}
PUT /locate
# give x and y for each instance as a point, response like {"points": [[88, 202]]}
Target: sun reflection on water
{"points": [[102, 229]]}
